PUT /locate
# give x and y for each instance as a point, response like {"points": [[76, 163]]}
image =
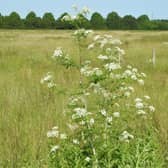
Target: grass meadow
{"points": [[27, 111]]}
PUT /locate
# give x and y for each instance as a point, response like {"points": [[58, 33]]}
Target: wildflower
{"points": [[116, 114], [47, 78], [85, 10], [116, 42], [97, 37], [75, 141], [143, 75], [87, 159], [80, 112], [133, 77], [141, 112], [141, 81], [63, 136], [125, 136], [54, 148], [54, 133], [103, 57], [91, 46], [66, 18], [109, 120], [127, 94], [120, 51], [58, 53], [112, 66], [51, 85], [151, 108], [146, 97], [138, 100], [91, 121], [131, 88], [103, 112], [139, 105]]}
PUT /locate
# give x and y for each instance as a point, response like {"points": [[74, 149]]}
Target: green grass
{"points": [[27, 110]]}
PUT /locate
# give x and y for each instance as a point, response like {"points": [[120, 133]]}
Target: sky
{"points": [[155, 9]]}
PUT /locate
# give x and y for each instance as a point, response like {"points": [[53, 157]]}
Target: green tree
{"points": [[113, 21], [14, 20], [48, 20], [97, 21], [32, 21], [1, 21], [129, 23], [144, 22]]}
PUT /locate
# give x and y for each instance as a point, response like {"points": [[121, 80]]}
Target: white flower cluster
{"points": [[126, 137], [133, 74], [88, 71], [48, 80], [58, 53], [106, 40], [143, 106], [79, 113], [82, 33]]}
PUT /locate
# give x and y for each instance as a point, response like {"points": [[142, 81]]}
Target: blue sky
{"points": [[153, 8]]}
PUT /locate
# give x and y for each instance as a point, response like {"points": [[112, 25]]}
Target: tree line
{"points": [[112, 22]]}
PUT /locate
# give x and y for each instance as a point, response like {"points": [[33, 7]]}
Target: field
{"points": [[27, 112]]}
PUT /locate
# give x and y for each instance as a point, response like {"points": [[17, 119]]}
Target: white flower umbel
{"points": [[139, 105], [87, 159], [103, 57], [103, 112], [54, 148], [112, 66], [116, 114], [63, 136], [152, 108], [54, 133], [126, 137], [58, 53]]}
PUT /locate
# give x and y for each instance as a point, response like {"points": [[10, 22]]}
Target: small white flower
{"points": [[120, 51], [127, 94], [66, 18], [51, 85], [85, 10], [87, 159], [133, 77], [135, 70], [97, 37], [109, 120], [75, 141], [141, 112], [143, 75], [91, 121], [125, 136], [63, 136], [58, 53], [54, 148], [147, 97], [139, 105], [138, 100], [53, 133], [116, 114], [103, 57], [141, 81], [112, 66], [103, 112], [91, 46], [151, 108], [131, 88]]}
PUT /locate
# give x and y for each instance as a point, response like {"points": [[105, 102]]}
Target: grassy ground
{"points": [[26, 111]]}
